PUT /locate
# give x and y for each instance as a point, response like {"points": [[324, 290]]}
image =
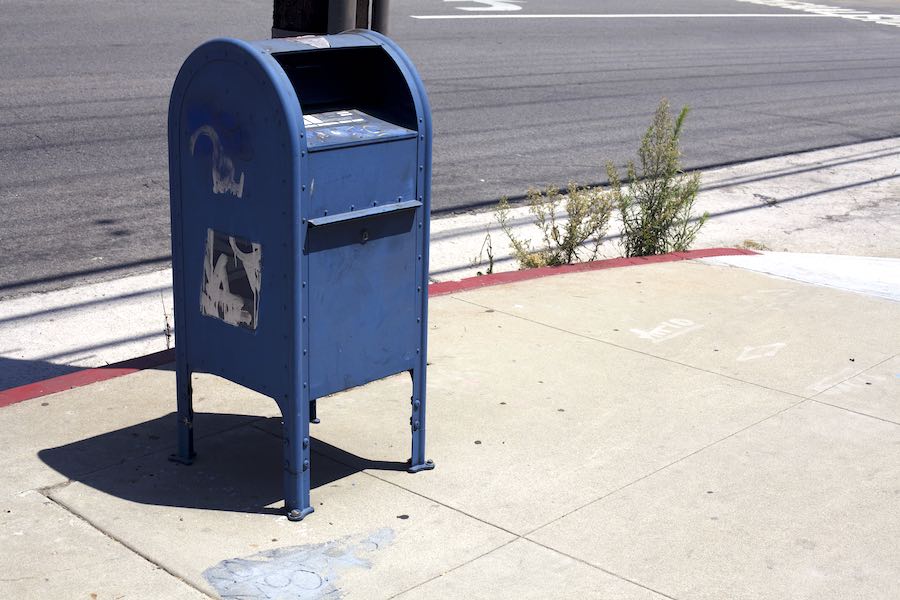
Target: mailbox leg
{"points": [[296, 460], [417, 422], [184, 393]]}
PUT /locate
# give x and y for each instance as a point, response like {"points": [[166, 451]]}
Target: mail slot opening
{"points": [[360, 80]]}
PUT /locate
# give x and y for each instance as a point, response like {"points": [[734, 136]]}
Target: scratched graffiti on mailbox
{"points": [[232, 277], [223, 170]]}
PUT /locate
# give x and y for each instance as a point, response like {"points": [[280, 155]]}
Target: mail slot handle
{"points": [[362, 214]]}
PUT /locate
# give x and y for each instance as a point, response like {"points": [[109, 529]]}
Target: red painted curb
{"points": [[88, 376], [471, 283], [84, 377]]}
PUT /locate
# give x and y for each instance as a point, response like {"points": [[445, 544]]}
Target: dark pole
{"points": [[341, 15], [318, 17], [297, 17], [380, 12], [362, 14]]}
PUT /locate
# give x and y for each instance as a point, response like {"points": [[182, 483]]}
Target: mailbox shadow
{"points": [[237, 468]]}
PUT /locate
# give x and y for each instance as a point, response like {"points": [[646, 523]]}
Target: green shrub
{"points": [[577, 236], [656, 206]]}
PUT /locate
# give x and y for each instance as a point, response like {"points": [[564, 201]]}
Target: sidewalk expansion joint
{"points": [[664, 467], [125, 544], [554, 550], [855, 412], [254, 425], [459, 566], [351, 465], [607, 571], [430, 499], [815, 397], [46, 490]]}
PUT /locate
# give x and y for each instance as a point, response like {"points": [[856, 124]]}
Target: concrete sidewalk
{"points": [[674, 430]]}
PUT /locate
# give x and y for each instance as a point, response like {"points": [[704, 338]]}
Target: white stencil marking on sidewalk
{"points": [[768, 297], [667, 330], [756, 352]]}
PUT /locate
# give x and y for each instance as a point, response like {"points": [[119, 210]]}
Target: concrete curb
{"points": [[84, 377], [451, 287], [88, 376]]}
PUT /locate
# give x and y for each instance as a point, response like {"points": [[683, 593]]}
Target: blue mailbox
{"points": [[300, 175]]}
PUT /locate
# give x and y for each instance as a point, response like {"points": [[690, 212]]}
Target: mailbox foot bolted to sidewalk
{"points": [[300, 173]]}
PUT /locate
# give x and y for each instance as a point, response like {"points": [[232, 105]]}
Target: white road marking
{"points": [[489, 5], [632, 16], [830, 11], [806, 9]]}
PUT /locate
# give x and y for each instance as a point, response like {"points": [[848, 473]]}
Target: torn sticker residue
{"points": [[316, 41], [307, 572], [349, 125], [232, 278], [223, 171]]}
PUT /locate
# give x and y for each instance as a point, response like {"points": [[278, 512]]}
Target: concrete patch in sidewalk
{"points": [[304, 572], [879, 277], [803, 505]]}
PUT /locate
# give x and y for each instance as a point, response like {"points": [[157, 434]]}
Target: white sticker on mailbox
{"points": [[232, 277]]}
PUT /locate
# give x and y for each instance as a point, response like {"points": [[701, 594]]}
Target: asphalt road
{"points": [[519, 100]]}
